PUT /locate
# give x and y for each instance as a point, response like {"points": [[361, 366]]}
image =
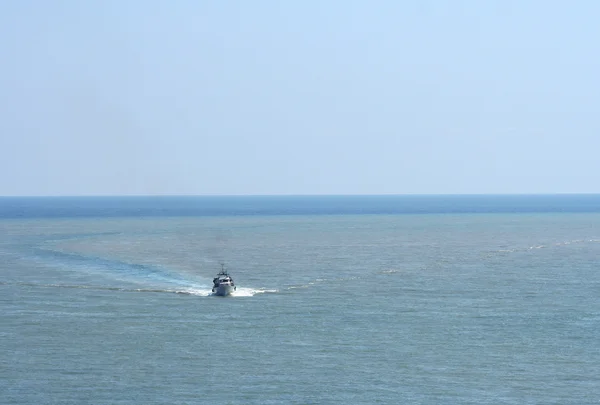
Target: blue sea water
{"points": [[341, 300]]}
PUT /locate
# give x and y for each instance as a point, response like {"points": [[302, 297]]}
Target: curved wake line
{"points": [[201, 292], [121, 269]]}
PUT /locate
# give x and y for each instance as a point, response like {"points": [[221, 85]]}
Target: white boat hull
{"points": [[224, 290]]}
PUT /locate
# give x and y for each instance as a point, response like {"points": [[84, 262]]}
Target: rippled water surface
{"points": [[376, 307]]}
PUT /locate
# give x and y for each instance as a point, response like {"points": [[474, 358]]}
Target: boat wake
{"points": [[240, 292], [200, 292], [158, 279]]}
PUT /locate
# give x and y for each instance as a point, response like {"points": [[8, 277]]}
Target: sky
{"points": [[186, 97]]}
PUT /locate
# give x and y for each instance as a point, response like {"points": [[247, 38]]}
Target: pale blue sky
{"points": [[303, 97]]}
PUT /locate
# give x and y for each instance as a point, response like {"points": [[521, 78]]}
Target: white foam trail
{"points": [[195, 291], [250, 292], [240, 292], [243, 292]]}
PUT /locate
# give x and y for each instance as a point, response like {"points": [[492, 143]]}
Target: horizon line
{"points": [[294, 195]]}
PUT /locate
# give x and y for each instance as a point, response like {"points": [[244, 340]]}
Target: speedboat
{"points": [[223, 284]]}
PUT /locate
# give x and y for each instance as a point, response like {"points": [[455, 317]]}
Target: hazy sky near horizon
{"points": [[305, 97]]}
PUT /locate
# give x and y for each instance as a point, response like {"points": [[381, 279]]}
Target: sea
{"points": [[431, 299]]}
